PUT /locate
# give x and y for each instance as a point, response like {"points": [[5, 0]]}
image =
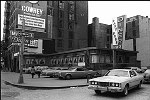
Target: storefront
{"points": [[91, 58]]}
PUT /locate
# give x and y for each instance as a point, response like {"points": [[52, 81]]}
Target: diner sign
{"points": [[118, 31]]}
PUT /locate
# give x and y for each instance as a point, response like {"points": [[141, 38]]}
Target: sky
{"points": [[107, 10]]}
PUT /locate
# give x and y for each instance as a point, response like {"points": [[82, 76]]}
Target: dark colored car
{"points": [[76, 72]]}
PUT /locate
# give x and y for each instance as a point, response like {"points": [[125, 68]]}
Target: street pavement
{"points": [[42, 82], [9, 92]]}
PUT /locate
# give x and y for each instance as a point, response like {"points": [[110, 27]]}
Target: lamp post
{"points": [[21, 63]]}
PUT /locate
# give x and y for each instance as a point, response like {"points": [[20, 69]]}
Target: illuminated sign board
{"points": [[35, 15], [32, 11], [118, 31], [31, 21]]}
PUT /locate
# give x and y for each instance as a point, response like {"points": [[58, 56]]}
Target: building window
{"points": [[133, 23], [134, 33], [61, 24], [107, 46], [50, 3], [101, 59], [70, 26], [60, 33], [107, 31], [59, 43], [71, 2], [108, 39], [49, 11], [71, 7], [61, 4], [71, 17], [71, 35], [70, 43], [61, 14]]}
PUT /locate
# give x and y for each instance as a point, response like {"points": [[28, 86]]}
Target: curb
{"points": [[38, 87]]}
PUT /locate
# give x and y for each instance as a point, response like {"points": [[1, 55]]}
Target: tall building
{"points": [[138, 38], [50, 27], [100, 35]]}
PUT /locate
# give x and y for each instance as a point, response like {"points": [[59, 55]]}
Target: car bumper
{"points": [[146, 79], [105, 89]]}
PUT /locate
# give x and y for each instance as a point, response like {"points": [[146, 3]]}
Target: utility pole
{"points": [[21, 62]]}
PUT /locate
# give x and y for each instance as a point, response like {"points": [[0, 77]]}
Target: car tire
{"points": [[97, 91], [125, 91], [139, 85], [68, 77]]}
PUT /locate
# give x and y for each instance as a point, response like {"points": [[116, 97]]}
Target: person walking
{"points": [[32, 71], [38, 71]]}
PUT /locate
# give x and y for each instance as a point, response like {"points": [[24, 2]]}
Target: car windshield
{"points": [[117, 73]]}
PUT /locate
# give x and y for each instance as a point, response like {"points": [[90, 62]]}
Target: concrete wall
{"points": [[143, 43]]}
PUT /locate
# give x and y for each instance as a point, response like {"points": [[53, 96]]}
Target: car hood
{"points": [[110, 79]]}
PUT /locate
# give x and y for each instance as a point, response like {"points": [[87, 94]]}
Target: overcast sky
{"points": [[106, 10]]}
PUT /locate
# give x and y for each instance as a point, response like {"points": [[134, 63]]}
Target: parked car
{"points": [[51, 71], [147, 76], [76, 72], [116, 80], [27, 70], [138, 70]]}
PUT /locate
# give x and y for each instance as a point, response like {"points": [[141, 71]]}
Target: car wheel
{"points": [[139, 85], [125, 91], [68, 77], [97, 91]]}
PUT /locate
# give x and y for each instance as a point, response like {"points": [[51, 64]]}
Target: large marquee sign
{"points": [[31, 21], [35, 15], [118, 31]]}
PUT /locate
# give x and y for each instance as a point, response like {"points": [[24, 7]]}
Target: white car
{"points": [[147, 76], [116, 80]]}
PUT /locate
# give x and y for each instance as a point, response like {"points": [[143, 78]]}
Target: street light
{"points": [[21, 63]]}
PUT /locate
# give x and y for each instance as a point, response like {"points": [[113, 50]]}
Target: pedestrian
{"points": [[32, 71], [38, 71]]}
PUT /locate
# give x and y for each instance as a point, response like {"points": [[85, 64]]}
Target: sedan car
{"points": [[51, 71], [147, 76], [27, 70], [116, 80], [76, 72]]}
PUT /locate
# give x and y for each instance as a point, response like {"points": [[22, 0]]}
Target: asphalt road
{"points": [[81, 93]]}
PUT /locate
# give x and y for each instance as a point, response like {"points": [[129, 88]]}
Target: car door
{"points": [[133, 79], [79, 73]]}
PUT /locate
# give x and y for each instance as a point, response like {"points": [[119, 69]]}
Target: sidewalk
{"points": [[40, 83]]}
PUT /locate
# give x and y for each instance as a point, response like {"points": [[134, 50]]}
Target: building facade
{"points": [[91, 57], [100, 35], [137, 37], [50, 27]]}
